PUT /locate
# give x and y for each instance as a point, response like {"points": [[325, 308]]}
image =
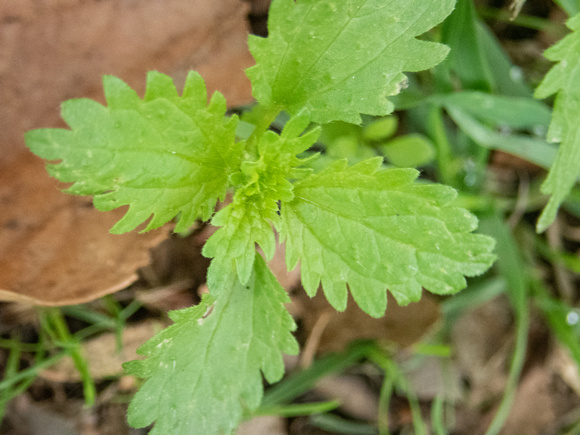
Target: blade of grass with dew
{"points": [[536, 151], [561, 317], [499, 110], [466, 57], [508, 77], [511, 266]]}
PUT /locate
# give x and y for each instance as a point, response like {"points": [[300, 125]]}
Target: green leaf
{"points": [[499, 110], [261, 185], [164, 156], [342, 58], [467, 58], [377, 229], [204, 370], [409, 151], [535, 150], [564, 81], [380, 129]]}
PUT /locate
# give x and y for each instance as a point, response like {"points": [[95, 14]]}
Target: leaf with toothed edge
{"points": [[203, 371], [340, 58], [564, 81], [261, 185], [377, 229], [163, 156]]}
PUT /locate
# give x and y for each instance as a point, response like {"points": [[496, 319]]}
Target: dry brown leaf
{"points": [[53, 51], [56, 249]]}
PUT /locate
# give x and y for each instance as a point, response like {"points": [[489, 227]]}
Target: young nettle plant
{"points": [[361, 227]]}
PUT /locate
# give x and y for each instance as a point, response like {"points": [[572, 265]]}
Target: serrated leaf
{"points": [[341, 58], [377, 229], [204, 370], [164, 156], [261, 185], [564, 81]]}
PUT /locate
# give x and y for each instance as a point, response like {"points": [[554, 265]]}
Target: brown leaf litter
{"points": [[55, 249]]}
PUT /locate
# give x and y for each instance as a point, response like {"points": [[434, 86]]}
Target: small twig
{"points": [[313, 340]]}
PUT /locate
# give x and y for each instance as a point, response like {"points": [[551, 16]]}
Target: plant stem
{"points": [[55, 321]]}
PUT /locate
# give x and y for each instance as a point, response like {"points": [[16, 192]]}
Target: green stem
{"points": [[60, 329], [394, 378], [32, 371], [445, 160], [511, 266]]}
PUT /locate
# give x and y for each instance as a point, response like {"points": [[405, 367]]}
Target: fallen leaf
{"points": [[56, 249]]}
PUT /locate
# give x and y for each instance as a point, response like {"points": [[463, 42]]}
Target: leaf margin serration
{"points": [[563, 79], [324, 263], [229, 391], [284, 24], [80, 154]]}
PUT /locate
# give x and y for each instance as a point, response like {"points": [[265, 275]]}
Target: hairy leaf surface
{"points": [[378, 229], [261, 185], [164, 155], [204, 370], [340, 58], [564, 81]]}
